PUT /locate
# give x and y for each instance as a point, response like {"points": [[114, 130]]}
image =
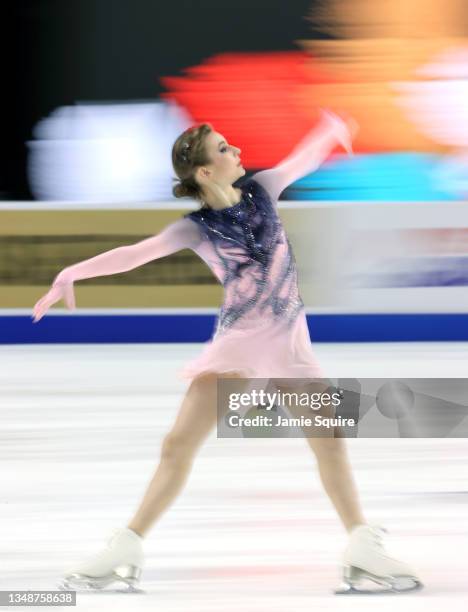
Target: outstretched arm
{"points": [[181, 234], [309, 154]]}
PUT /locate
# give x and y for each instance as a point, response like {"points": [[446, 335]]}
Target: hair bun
{"points": [[180, 190]]}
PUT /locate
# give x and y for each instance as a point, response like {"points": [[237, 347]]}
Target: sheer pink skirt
{"points": [[259, 350]]}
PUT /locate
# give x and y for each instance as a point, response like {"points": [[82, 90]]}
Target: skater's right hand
{"points": [[58, 291]]}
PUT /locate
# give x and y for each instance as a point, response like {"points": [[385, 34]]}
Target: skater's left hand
{"points": [[344, 127]]}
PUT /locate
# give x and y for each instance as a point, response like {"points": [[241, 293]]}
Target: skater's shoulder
{"points": [[254, 187]]}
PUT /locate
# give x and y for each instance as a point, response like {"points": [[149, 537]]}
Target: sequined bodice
{"points": [[254, 260]]}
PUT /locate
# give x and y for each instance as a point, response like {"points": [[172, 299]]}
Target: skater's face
{"points": [[226, 166]]}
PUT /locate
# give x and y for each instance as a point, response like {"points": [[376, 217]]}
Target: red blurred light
{"points": [[250, 98]]}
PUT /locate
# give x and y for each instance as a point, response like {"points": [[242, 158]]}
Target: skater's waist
{"points": [[260, 316]]}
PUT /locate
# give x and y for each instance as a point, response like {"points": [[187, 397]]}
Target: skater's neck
{"points": [[220, 198]]}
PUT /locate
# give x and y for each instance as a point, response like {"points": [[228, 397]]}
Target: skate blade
{"points": [[361, 582], [93, 587], [128, 578]]}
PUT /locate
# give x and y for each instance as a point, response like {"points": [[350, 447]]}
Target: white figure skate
{"points": [[365, 559], [120, 562]]}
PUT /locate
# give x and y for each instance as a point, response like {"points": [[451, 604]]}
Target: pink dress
{"points": [[261, 330]]}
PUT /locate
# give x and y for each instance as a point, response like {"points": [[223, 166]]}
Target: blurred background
{"points": [[96, 91]]}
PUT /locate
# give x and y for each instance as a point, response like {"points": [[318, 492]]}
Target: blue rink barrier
{"points": [[144, 328]]}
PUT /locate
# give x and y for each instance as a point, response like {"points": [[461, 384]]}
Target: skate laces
{"points": [[99, 556], [377, 532]]}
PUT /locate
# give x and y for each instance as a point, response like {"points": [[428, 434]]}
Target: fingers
{"points": [[42, 306], [353, 127], [39, 310], [69, 297], [54, 294], [344, 126], [347, 145], [342, 118]]}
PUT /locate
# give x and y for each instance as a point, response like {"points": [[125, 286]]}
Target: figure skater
{"points": [[261, 332]]}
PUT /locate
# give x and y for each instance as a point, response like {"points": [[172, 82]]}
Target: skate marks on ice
{"points": [[81, 436]]}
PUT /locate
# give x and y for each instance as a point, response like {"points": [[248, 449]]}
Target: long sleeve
{"points": [[307, 156], [181, 234]]}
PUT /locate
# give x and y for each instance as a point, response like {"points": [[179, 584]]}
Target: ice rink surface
{"points": [[80, 436]]}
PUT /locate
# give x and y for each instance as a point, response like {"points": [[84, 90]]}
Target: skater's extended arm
{"points": [[181, 234], [309, 154]]}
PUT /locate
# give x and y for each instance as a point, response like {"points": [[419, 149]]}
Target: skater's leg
{"points": [[337, 479], [196, 418], [123, 558], [365, 557], [332, 460]]}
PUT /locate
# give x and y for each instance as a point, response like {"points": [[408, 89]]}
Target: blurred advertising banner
{"points": [[371, 257], [385, 257]]}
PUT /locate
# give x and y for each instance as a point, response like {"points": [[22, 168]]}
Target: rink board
{"points": [[367, 272]]}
